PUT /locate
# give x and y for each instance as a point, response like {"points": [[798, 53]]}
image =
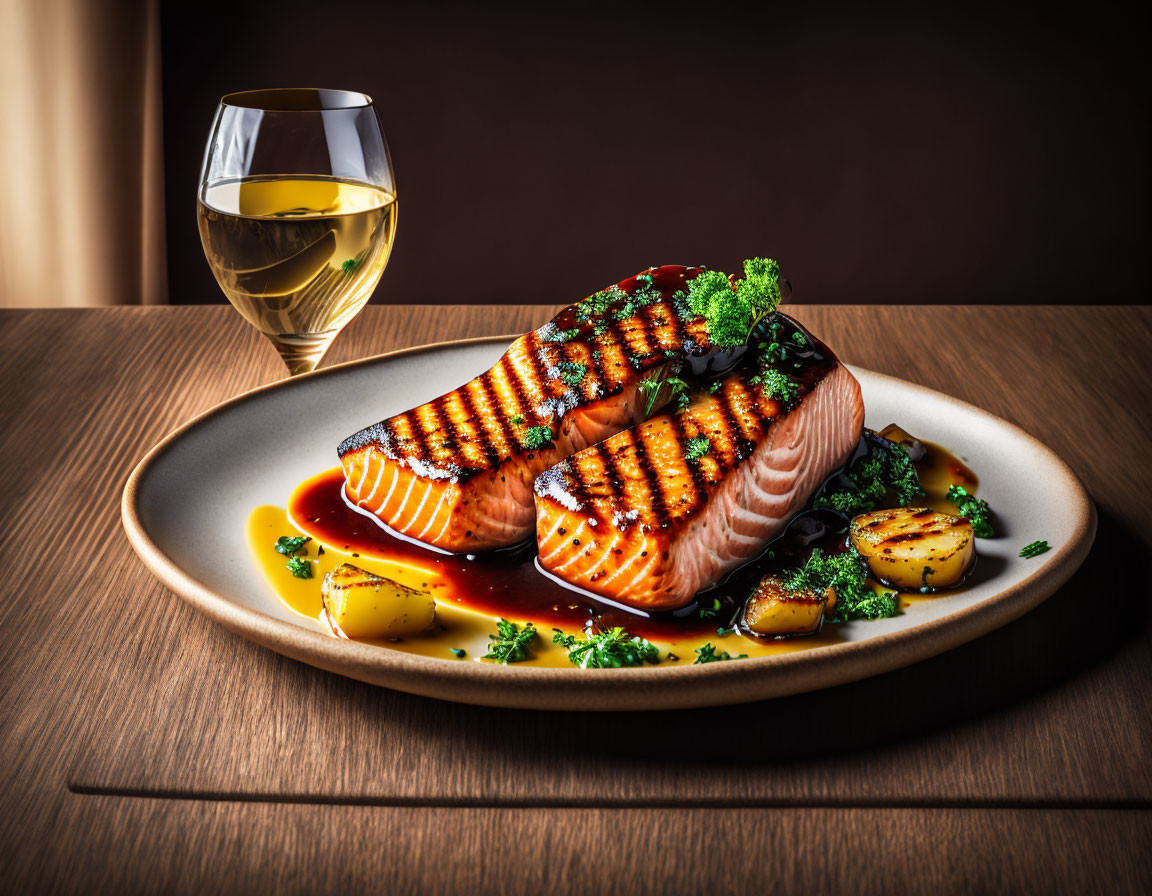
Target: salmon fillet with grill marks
{"points": [[637, 520], [457, 472]]}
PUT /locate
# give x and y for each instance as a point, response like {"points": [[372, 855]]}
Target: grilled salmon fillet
{"points": [[456, 473], [654, 514]]}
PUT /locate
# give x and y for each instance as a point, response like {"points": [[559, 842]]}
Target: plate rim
{"points": [[631, 689]]}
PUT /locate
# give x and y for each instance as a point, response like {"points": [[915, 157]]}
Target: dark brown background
{"points": [[890, 153]]}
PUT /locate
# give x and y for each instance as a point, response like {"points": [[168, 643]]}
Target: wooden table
{"points": [[144, 748]]}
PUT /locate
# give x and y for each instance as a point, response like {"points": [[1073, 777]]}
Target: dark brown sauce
{"points": [[507, 583], [499, 583]]}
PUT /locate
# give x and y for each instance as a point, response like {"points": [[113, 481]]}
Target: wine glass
{"points": [[297, 212]]}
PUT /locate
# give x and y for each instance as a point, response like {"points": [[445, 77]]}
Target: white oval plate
{"points": [[186, 506]]}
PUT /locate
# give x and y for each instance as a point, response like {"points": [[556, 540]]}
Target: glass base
{"points": [[302, 353]]}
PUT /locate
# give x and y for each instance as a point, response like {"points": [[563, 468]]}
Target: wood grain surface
{"points": [[144, 747]]}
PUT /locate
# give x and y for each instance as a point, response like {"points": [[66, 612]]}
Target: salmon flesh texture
{"points": [[635, 520], [456, 473]]}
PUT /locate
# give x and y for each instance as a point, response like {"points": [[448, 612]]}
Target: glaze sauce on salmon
{"points": [[456, 473], [655, 514]]}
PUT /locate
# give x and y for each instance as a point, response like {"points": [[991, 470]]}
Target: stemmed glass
{"points": [[297, 212]]}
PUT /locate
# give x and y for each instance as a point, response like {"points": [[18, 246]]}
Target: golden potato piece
{"points": [[775, 611], [913, 548], [365, 605]]}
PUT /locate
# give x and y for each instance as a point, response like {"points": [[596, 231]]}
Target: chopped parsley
{"points": [[291, 544], [571, 373], [642, 298], [867, 481], [710, 612], [300, 567], [611, 649], [598, 303], [732, 310], [1035, 549], [510, 643], [537, 437], [708, 654], [349, 265], [977, 511], [517, 420], [696, 448], [776, 384], [847, 575]]}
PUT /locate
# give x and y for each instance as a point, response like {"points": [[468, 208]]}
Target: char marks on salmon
{"points": [[653, 515], [457, 472]]}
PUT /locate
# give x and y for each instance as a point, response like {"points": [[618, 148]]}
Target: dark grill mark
{"points": [[482, 436], [498, 413], [538, 370], [612, 471], [659, 506], [420, 446], [735, 432], [698, 480], [905, 536], [523, 406]]}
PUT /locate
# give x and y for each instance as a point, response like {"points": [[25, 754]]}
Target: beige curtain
{"points": [[81, 177]]}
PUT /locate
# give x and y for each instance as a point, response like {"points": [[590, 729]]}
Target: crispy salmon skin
{"points": [[656, 513], [456, 473]]}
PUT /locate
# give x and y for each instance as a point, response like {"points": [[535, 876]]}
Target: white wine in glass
{"points": [[297, 213]]}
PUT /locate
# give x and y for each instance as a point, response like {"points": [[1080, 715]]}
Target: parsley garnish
{"points": [[883, 468], [516, 420], [708, 654], [611, 649], [1035, 549], [710, 612], [977, 511], [733, 310], [846, 574], [537, 437], [291, 544], [571, 373], [696, 448], [510, 644], [776, 384], [677, 389], [300, 567], [598, 303], [349, 265]]}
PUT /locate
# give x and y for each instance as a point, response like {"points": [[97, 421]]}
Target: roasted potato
{"points": [[364, 605], [774, 610], [914, 548]]}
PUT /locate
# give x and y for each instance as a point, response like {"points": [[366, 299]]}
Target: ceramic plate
{"points": [[186, 507]]}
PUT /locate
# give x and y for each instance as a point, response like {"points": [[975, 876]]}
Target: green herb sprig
{"points": [[708, 654], [510, 643], [291, 544], [696, 447], [847, 575], [300, 567], [1035, 549], [885, 468], [673, 386], [537, 437], [732, 310], [612, 649], [976, 510]]}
